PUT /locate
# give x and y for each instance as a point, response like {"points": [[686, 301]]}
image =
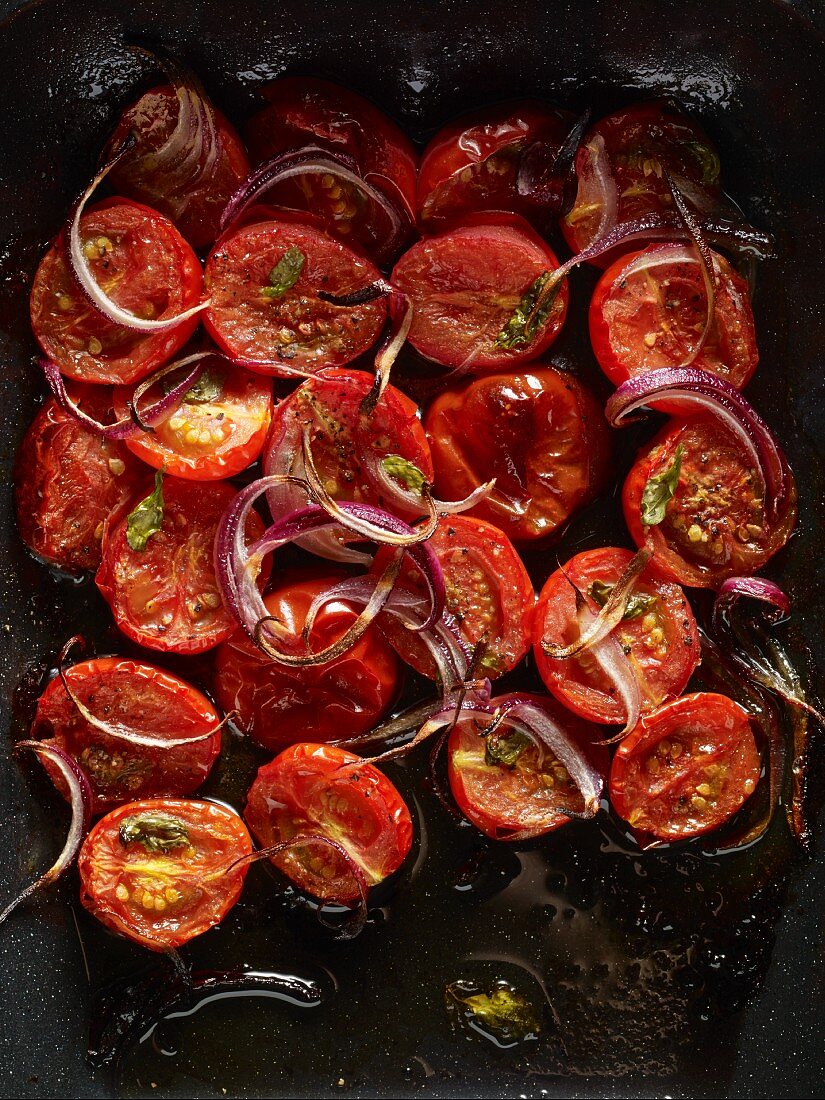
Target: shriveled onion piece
{"points": [[755, 588], [80, 795], [692, 391], [116, 729], [705, 263], [86, 280], [547, 175]]}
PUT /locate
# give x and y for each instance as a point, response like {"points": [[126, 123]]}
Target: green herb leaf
{"points": [[659, 490], [156, 832], [505, 750], [405, 471], [503, 1011], [530, 314], [637, 604], [147, 518], [208, 388], [284, 275]]}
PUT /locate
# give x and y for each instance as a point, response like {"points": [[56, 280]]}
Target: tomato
{"points": [[686, 768], [158, 871], [620, 168], [660, 636], [539, 433], [502, 800], [305, 791], [466, 284], [165, 596], [139, 697], [145, 266], [194, 208], [716, 524], [67, 481], [278, 705], [489, 593], [216, 433], [305, 111], [649, 309], [472, 163], [297, 328]]}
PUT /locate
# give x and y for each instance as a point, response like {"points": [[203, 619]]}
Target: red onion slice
{"points": [[755, 588], [81, 799], [696, 391]]}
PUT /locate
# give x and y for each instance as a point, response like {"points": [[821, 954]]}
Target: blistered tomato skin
{"points": [[145, 266], [323, 790], [164, 895], [660, 639], [686, 768]]}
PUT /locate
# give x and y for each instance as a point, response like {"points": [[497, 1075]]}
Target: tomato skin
{"points": [[192, 884], [141, 697], [239, 419], [154, 273], [502, 801], [165, 596], [539, 433], [197, 212], [465, 285], [665, 651], [489, 593], [278, 706], [308, 789], [67, 481], [618, 165], [267, 331], [686, 768], [472, 163], [625, 314], [731, 496]]}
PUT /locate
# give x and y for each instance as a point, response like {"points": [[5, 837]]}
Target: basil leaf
{"points": [[528, 317], [147, 518], [284, 275], [405, 471], [208, 388], [659, 490], [505, 750], [503, 1011], [637, 604], [156, 832]]}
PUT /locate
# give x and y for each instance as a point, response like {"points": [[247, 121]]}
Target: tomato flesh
{"points": [[540, 434], [139, 697], [145, 266], [278, 705], [686, 768], [308, 790], [716, 524], [163, 899], [661, 642]]}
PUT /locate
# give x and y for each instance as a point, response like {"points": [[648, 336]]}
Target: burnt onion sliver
{"points": [[706, 264], [547, 174], [693, 391], [87, 282], [117, 730], [80, 793]]}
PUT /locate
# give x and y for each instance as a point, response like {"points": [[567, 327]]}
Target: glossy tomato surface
{"points": [[165, 597], [278, 705], [527, 797], [489, 595], [658, 634], [314, 790], [145, 266], [718, 523], [466, 284], [686, 768], [621, 166], [67, 481], [539, 433], [217, 430], [649, 310], [140, 698], [173, 881], [473, 162], [295, 330], [195, 200]]}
